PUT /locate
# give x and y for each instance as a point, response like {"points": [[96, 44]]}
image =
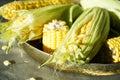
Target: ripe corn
{"points": [[29, 26], [84, 38], [114, 46], [53, 33], [10, 10]]}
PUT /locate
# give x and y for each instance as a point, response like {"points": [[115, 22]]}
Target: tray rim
{"points": [[42, 56]]}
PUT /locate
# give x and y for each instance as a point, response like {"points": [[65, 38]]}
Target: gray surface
{"points": [[26, 67]]}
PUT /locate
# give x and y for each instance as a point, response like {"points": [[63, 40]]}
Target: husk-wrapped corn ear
{"points": [[29, 26], [53, 33], [84, 38], [10, 10]]}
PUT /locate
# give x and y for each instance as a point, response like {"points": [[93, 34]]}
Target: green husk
{"points": [[93, 39], [107, 4], [30, 27], [113, 6]]}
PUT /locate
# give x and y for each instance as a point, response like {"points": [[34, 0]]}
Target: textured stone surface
{"points": [[26, 67]]}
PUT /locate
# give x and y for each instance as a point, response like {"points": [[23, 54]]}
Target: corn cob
{"points": [[10, 10], [53, 33], [84, 38], [114, 46]]}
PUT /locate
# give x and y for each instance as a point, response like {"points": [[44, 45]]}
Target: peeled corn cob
{"points": [[114, 46], [53, 33], [10, 10]]}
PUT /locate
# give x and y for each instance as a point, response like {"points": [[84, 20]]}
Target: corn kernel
{"points": [[4, 47]]}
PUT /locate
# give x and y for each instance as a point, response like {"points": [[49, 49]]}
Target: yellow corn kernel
{"points": [[53, 33], [4, 47], [10, 10], [80, 36], [114, 46]]}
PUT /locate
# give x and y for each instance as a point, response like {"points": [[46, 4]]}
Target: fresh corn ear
{"points": [[84, 38], [114, 45], [29, 26], [10, 10], [53, 33]]}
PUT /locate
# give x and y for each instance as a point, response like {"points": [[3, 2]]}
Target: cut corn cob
{"points": [[114, 46], [53, 33], [10, 10]]}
